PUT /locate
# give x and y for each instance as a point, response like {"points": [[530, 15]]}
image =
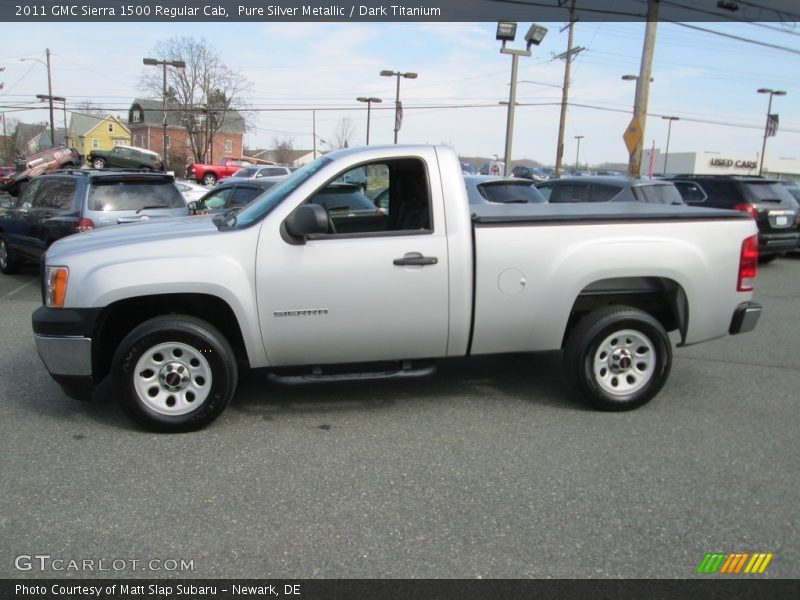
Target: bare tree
{"points": [[344, 133], [87, 107], [284, 150], [8, 150], [207, 93]]}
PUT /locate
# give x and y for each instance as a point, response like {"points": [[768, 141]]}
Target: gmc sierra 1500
{"points": [[171, 310]]}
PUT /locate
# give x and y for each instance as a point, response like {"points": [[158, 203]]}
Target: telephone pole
{"points": [[565, 89], [635, 131]]}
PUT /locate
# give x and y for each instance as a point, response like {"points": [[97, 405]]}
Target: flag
{"points": [[772, 125], [398, 116]]}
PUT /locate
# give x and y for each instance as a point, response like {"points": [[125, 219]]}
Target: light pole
{"points": [[49, 94], [369, 102], [669, 130], [398, 108], [152, 62], [506, 32], [766, 126], [578, 153]]}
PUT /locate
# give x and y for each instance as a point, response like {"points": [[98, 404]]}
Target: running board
{"points": [[406, 370]]}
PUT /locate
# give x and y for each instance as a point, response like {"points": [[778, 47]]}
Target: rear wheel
{"points": [[617, 358], [174, 373], [209, 179], [9, 264]]}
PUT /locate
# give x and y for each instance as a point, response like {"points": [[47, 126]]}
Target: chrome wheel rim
{"points": [[172, 378], [624, 363]]}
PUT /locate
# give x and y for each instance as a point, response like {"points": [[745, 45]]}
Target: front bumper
{"points": [[745, 318], [63, 340]]}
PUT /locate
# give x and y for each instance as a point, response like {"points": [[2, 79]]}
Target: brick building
{"points": [[146, 123]]}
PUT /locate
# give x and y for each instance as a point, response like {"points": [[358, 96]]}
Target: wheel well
{"points": [[120, 318], [662, 298]]}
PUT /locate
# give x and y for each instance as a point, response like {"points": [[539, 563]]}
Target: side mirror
{"points": [[193, 207], [307, 219]]}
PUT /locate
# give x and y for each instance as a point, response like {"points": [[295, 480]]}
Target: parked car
{"points": [[36, 164], [468, 169], [793, 188], [6, 173], [232, 193], [190, 190], [486, 189], [58, 204], [599, 188], [526, 172], [264, 171], [172, 315], [767, 201], [208, 174], [126, 157]]}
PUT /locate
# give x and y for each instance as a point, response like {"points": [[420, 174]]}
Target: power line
{"points": [[739, 38]]}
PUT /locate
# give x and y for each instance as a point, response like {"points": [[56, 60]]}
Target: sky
{"points": [[707, 80]]}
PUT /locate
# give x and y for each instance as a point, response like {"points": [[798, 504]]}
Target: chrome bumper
{"points": [[65, 355], [745, 318]]}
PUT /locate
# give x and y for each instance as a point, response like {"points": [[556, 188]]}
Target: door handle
{"points": [[415, 259]]}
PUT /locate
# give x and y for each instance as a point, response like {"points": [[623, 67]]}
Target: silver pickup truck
{"points": [[318, 291]]}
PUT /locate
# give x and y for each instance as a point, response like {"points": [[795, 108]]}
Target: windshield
{"points": [[263, 205]]}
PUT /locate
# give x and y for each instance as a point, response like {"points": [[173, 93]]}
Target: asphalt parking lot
{"points": [[487, 469]]}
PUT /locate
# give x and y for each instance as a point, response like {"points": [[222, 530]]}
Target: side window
{"points": [[571, 192], [546, 190], [218, 198], [243, 195], [26, 198], [57, 194], [604, 193], [690, 192], [399, 186]]}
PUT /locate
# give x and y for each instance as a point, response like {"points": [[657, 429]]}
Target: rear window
{"points": [[764, 191], [134, 194], [658, 194], [505, 192]]}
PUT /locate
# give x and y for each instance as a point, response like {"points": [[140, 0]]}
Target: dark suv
{"points": [[766, 200], [61, 203], [601, 188], [124, 157]]}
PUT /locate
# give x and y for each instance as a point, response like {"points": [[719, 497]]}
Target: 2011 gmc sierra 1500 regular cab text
{"points": [[172, 310]]}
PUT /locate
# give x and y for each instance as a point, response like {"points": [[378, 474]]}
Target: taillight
{"points": [[748, 264], [746, 207], [83, 224]]}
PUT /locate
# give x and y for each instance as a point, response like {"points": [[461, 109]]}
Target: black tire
{"points": [[209, 179], [98, 163], [617, 358], [9, 264], [166, 365]]}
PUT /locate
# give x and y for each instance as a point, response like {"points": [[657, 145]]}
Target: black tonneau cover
{"points": [[599, 211]]}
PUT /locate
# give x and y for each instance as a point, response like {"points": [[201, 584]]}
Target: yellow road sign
{"points": [[633, 135]]}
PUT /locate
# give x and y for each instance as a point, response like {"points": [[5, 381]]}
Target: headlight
{"points": [[55, 282]]}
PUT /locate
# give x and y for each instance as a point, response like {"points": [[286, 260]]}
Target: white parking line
{"points": [[20, 288]]}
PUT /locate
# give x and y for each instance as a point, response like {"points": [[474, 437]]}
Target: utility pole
{"points": [[565, 90], [50, 93], [637, 126]]}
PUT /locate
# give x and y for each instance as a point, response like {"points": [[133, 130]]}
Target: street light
{"points": [[369, 102], [506, 32], [50, 94], [152, 62], [578, 153], [669, 130], [398, 108], [769, 118]]}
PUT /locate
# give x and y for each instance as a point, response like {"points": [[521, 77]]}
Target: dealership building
{"points": [[718, 163]]}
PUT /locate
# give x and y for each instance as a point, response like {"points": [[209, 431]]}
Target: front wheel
{"points": [[617, 358], [98, 163], [209, 179], [174, 373]]}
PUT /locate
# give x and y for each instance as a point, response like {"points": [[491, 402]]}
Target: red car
{"points": [[36, 164]]}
